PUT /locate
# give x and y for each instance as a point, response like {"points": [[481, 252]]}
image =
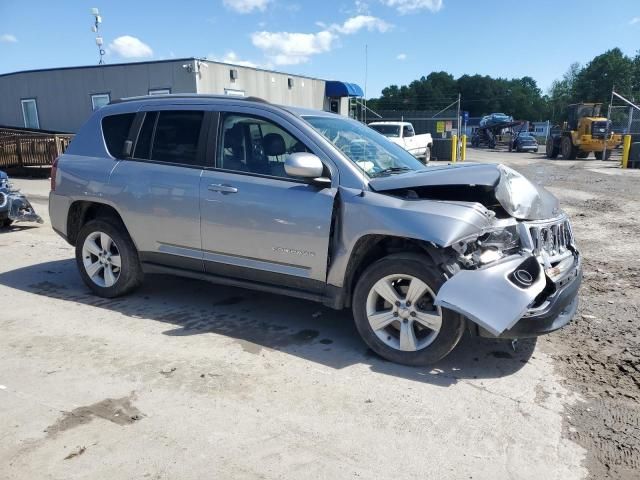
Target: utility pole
{"points": [[96, 29], [366, 71], [459, 131], [606, 135]]}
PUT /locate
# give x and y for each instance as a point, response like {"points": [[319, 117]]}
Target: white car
{"points": [[403, 134]]}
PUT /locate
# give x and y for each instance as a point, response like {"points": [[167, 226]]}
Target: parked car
{"points": [[317, 206], [14, 206], [495, 119], [525, 142], [403, 134]]}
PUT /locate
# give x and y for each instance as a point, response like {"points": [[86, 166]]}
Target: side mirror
{"points": [[303, 165]]}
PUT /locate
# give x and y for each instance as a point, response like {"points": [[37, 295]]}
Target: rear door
{"points": [[157, 191], [257, 222]]}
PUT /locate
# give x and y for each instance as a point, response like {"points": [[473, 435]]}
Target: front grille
{"points": [[553, 238], [598, 129]]}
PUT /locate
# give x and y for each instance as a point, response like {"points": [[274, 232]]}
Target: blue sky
{"points": [[326, 38]]}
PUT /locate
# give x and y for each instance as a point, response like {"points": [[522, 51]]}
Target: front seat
{"points": [[274, 146]]}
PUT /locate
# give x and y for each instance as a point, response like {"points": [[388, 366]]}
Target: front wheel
{"points": [[107, 258], [394, 311]]}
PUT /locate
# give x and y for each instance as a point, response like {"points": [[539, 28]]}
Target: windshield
{"points": [[387, 130], [369, 150]]}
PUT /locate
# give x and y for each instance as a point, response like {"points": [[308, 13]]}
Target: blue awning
{"points": [[342, 89]]}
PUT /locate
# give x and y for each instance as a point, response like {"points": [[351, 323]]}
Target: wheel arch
{"points": [[83, 211], [372, 247]]}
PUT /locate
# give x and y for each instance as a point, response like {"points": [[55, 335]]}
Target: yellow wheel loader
{"points": [[584, 132]]}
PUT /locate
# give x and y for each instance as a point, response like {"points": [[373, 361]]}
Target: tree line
{"points": [[519, 97]]}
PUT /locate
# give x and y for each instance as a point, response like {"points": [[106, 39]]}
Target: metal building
{"points": [[61, 99]]}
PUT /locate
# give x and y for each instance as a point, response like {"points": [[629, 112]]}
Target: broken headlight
{"points": [[496, 244]]}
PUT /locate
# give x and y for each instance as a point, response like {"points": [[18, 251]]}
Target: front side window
{"points": [[370, 151], [115, 129], [407, 131], [99, 100], [30, 113], [170, 136], [255, 145]]}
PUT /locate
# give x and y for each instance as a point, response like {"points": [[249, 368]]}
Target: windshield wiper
{"points": [[391, 170]]}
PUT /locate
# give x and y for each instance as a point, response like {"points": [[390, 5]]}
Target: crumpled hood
{"points": [[520, 197]]}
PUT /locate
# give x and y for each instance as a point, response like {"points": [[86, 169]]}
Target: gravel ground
{"points": [[599, 352], [184, 380]]}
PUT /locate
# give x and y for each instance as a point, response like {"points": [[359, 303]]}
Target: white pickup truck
{"points": [[403, 134]]}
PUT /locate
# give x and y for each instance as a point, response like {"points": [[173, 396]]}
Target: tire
{"points": [[128, 276], [431, 344], [599, 155], [568, 150], [427, 155], [583, 155], [552, 149]]}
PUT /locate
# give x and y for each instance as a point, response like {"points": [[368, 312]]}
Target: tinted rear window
{"points": [[115, 129], [170, 136]]}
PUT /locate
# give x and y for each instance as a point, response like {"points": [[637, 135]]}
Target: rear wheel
{"points": [[568, 150], [107, 259], [583, 154], [394, 311], [427, 155], [552, 150]]}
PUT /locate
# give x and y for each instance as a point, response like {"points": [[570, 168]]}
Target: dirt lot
{"points": [[599, 353], [188, 380]]}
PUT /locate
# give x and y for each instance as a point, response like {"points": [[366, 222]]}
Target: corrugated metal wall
{"points": [[63, 96], [272, 86]]}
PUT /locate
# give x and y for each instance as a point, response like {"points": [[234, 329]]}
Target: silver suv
{"points": [[314, 205]]}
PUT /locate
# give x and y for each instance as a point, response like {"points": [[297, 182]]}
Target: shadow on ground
{"points": [[256, 320]]}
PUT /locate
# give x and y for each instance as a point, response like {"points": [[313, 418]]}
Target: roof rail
{"points": [[186, 96]]}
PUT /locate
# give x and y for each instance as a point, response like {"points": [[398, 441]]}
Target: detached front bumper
{"points": [[554, 313], [516, 297]]}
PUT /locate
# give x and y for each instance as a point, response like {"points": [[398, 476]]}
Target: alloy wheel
{"points": [[401, 312], [101, 259]]}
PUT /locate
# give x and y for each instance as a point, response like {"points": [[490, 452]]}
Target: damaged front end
{"points": [[520, 276], [14, 206]]}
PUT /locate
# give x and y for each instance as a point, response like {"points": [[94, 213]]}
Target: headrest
{"points": [[273, 144]]}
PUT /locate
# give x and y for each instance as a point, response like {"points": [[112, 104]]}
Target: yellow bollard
{"points": [[626, 148], [463, 148], [454, 148]]}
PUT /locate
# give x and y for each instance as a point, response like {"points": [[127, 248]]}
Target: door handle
{"points": [[224, 189]]}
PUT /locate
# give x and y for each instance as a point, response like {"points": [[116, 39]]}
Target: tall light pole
{"points": [[96, 29]]}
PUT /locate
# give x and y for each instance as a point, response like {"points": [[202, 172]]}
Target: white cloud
{"points": [[246, 6], [361, 7], [127, 46], [401, 56], [357, 23], [634, 20], [285, 48], [232, 57], [410, 6], [8, 38]]}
